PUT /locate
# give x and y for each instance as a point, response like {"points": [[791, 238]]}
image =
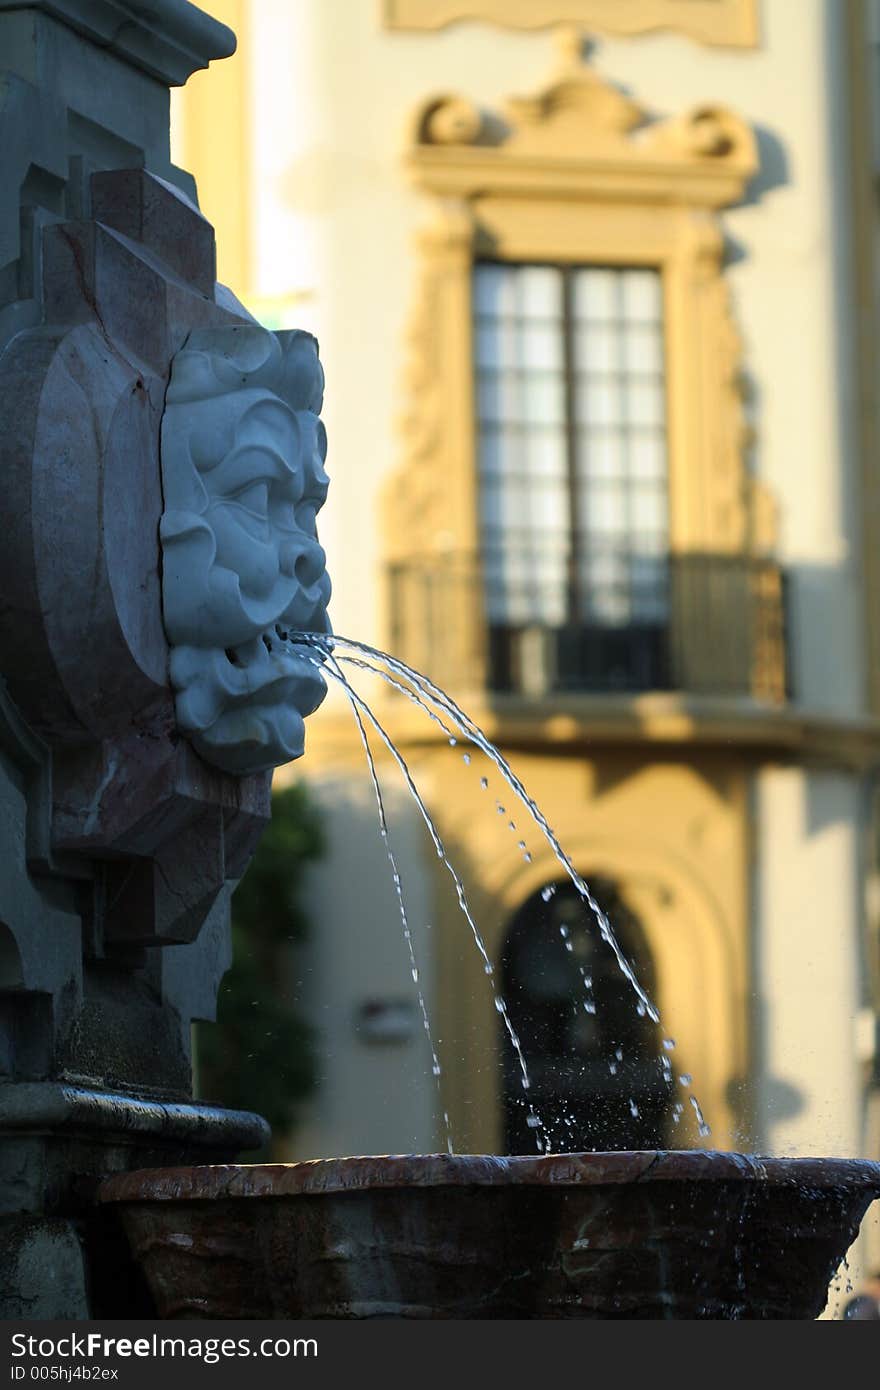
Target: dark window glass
{"points": [[596, 1063]]}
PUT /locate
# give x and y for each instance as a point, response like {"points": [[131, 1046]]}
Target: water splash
{"points": [[360, 705]]}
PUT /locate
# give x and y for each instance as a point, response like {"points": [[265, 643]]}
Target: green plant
{"points": [[258, 1055]]}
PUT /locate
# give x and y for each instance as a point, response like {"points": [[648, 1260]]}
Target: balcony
{"points": [[706, 625]]}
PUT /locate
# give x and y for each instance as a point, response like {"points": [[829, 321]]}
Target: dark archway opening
{"points": [[600, 1078]]}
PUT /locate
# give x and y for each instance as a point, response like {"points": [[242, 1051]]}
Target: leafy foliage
{"points": [[258, 1055]]}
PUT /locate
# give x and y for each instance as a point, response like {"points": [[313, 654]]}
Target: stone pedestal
{"points": [[120, 846]]}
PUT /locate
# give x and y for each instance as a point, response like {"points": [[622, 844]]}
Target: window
{"points": [[573, 474], [599, 528]]}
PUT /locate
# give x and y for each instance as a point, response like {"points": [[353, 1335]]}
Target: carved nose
{"points": [[303, 561]]}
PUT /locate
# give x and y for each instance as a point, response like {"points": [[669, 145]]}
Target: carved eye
{"points": [[254, 498]]}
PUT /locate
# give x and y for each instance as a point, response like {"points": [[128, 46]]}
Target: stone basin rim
{"points": [[314, 1177]]}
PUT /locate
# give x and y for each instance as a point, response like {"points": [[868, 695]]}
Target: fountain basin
{"points": [[658, 1234]]}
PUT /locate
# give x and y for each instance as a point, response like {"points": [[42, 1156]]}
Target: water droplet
{"points": [[452, 741], [527, 857], [500, 809], [511, 825], [467, 758], [633, 1109], [484, 782], [618, 1052], [547, 893], [533, 1121], [436, 1069], [499, 1005], [522, 843], [488, 968], [612, 1067], [415, 974], [589, 1006], [640, 1009], [685, 1078], [669, 1044], [563, 930]]}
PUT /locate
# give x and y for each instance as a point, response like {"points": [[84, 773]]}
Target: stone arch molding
{"points": [[577, 172], [699, 959]]}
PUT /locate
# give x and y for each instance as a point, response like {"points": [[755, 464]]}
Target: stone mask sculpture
{"points": [[242, 452]]}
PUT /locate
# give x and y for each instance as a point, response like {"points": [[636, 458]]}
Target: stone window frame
{"points": [[579, 174]]}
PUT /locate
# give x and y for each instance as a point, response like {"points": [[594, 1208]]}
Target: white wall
{"points": [[373, 1096], [806, 961]]}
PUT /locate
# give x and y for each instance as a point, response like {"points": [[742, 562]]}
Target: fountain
{"points": [[163, 638]]}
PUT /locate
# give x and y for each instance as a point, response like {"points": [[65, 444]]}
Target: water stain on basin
{"points": [[655, 1234]]}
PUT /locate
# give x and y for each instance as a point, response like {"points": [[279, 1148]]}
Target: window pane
{"points": [[548, 511], [500, 451], [643, 349], [649, 510], [595, 294], [540, 292], [597, 347], [647, 456], [644, 402], [599, 402], [605, 509], [544, 454], [601, 453], [543, 399], [494, 289], [641, 295], [541, 346], [496, 343], [497, 397]]}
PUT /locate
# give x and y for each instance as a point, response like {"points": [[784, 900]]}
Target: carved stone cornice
{"points": [[167, 39], [730, 23]]}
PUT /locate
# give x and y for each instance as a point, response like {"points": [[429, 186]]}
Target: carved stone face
{"points": [[243, 476]]}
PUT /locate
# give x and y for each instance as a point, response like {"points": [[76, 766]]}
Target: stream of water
{"points": [[332, 652]]}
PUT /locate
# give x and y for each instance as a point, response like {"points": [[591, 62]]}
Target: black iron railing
{"points": [[705, 624]]}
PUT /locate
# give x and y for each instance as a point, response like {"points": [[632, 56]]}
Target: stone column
{"points": [[119, 845]]}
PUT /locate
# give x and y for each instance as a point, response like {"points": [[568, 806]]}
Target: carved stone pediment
{"points": [[579, 135]]}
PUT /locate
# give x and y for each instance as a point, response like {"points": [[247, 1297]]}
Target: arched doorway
{"points": [[599, 1078]]}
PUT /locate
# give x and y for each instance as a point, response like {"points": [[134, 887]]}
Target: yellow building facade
{"points": [[472, 204]]}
